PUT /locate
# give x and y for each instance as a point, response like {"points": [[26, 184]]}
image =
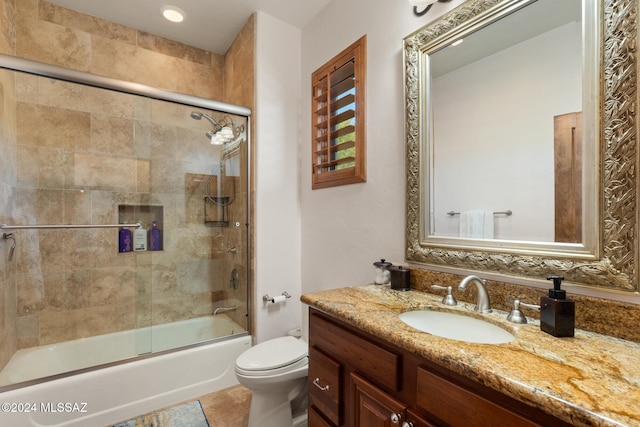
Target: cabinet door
{"points": [[374, 408]]}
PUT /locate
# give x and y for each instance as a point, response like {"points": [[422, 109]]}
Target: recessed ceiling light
{"points": [[172, 13]]}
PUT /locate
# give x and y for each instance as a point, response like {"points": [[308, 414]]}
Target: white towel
{"points": [[487, 230], [476, 224]]}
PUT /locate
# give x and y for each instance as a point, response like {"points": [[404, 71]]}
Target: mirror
{"points": [[494, 96], [487, 181]]}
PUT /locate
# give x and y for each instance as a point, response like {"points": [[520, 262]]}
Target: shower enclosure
{"points": [[125, 221]]}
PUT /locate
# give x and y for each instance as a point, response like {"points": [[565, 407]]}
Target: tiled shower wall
{"points": [[51, 277], [77, 162], [239, 89], [8, 332]]}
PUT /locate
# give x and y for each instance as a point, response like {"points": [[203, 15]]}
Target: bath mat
{"points": [[187, 415]]}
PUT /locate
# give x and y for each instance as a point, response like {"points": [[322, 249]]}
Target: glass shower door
{"points": [[96, 164], [198, 174]]}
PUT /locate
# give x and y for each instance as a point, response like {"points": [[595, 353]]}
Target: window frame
{"points": [[325, 169]]}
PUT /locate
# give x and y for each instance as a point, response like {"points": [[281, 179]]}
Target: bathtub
{"points": [[100, 397]]}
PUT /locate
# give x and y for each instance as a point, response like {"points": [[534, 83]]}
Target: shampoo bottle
{"points": [[155, 238], [140, 239], [124, 240], [557, 313]]}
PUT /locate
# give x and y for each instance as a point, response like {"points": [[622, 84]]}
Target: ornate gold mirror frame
{"points": [[616, 266]]}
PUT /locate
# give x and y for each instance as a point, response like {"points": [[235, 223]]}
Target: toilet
{"points": [[276, 373]]}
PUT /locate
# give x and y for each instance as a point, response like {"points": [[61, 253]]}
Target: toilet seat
{"points": [[273, 356], [301, 365]]}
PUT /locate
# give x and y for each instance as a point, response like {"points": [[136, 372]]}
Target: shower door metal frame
{"points": [[74, 76], [42, 69]]}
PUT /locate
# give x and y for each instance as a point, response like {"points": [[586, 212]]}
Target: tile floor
{"points": [[226, 408]]}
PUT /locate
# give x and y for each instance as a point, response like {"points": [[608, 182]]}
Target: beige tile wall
{"points": [[55, 35], [122, 150], [76, 164], [239, 89], [8, 316]]}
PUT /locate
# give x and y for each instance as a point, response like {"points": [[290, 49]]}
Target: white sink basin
{"points": [[456, 327]]}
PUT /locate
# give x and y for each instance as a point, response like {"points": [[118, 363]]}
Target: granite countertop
{"points": [[586, 380]]}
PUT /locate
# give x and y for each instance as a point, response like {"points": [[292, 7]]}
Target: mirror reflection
{"points": [[505, 145]]}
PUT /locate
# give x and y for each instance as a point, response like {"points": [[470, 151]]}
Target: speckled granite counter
{"points": [[587, 380]]}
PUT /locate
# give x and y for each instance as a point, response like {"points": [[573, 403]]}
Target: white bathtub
{"points": [[103, 396]]}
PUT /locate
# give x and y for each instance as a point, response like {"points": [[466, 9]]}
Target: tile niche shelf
{"points": [[144, 214]]}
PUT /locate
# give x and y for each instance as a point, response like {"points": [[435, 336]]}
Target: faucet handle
{"points": [[448, 299], [516, 315]]}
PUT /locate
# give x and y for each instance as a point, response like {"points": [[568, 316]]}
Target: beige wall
{"points": [[62, 293]]}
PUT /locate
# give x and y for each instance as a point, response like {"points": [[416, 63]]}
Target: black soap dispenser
{"points": [[557, 313]]}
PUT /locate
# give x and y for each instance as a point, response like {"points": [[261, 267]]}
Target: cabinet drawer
{"points": [[375, 362], [457, 406], [324, 385], [316, 420]]}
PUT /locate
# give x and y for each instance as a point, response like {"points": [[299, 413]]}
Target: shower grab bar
{"points": [[50, 227], [223, 309], [507, 213]]}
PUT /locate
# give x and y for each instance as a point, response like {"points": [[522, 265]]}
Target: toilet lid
{"points": [[272, 354]]}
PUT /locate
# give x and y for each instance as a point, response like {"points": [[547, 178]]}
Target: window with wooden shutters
{"points": [[338, 144]]}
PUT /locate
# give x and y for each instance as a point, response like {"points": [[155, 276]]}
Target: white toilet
{"points": [[276, 373]]}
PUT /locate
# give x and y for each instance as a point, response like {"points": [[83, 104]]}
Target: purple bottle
{"points": [[125, 240], [155, 238]]}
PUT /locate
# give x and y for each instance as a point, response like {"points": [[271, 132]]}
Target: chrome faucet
{"points": [[483, 304], [516, 315]]}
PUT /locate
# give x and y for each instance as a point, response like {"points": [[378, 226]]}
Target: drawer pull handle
{"points": [[396, 418], [316, 382], [407, 424]]}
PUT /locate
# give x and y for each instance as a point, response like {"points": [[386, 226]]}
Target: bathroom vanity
{"points": [[368, 368]]}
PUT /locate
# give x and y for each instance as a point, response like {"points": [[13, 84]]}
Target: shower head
{"points": [[222, 132], [196, 115]]}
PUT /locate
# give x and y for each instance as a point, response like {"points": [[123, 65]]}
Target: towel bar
{"points": [[50, 227], [507, 213]]}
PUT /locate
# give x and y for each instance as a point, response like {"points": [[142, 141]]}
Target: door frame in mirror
{"points": [[610, 261]]}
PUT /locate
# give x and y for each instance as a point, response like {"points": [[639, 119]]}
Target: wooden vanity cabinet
{"points": [[358, 380], [347, 367]]}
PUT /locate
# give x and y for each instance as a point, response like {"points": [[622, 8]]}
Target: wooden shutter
{"points": [[338, 140]]}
